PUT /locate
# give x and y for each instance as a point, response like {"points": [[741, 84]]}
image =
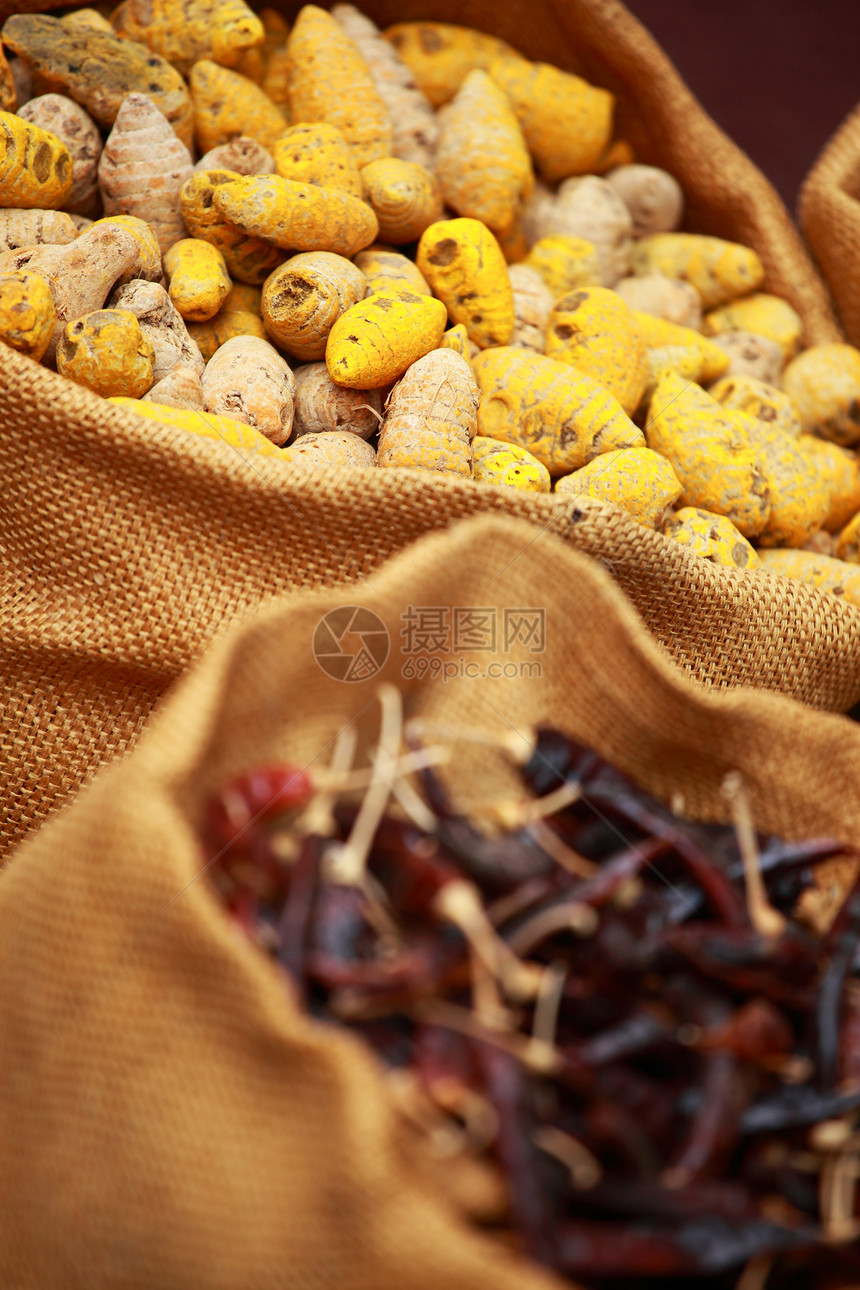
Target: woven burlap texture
{"points": [[829, 214], [168, 1118], [131, 545]]}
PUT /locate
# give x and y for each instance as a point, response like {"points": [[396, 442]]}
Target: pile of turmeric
{"points": [[413, 248]]}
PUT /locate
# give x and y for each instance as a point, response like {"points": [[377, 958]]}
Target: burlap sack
{"points": [[168, 1119], [829, 213], [131, 545]]}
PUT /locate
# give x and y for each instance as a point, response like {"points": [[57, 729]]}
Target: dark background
{"points": [[777, 75]]}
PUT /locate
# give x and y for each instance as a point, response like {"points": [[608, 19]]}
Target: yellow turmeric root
{"points": [[826, 573], [27, 313], [594, 331], [719, 467], [563, 417], [457, 338], [482, 163], [236, 434], [718, 270], [227, 104], [317, 153], [657, 333], [567, 123], [824, 384], [384, 267], [330, 81], [497, 462], [297, 217], [440, 55], [565, 263], [797, 488], [248, 259], [35, 166], [466, 270], [199, 281], [763, 314], [841, 469], [108, 353], [430, 416], [404, 197], [637, 480], [184, 31], [710, 536], [303, 299], [766, 402], [374, 342]]}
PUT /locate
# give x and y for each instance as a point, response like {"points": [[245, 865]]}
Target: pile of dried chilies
{"points": [[614, 1005]]}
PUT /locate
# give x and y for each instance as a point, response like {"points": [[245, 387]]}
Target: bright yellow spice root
{"points": [[210, 336], [825, 573], [27, 313], [619, 153], [710, 536], [248, 259], [317, 153], [227, 104], [98, 69], [464, 265], [183, 31], [719, 468], [248, 379], [236, 434], [199, 281], [482, 163], [565, 263], [303, 299], [90, 18], [763, 314], [440, 55], [108, 353], [457, 338], [297, 217], [561, 416], [375, 341], [657, 333], [404, 196], [848, 542], [686, 360], [35, 166], [594, 331], [513, 241], [637, 480], [748, 394], [430, 416], [824, 384], [384, 267], [798, 491], [330, 81], [718, 270], [567, 123], [243, 296], [497, 462], [841, 469]]}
